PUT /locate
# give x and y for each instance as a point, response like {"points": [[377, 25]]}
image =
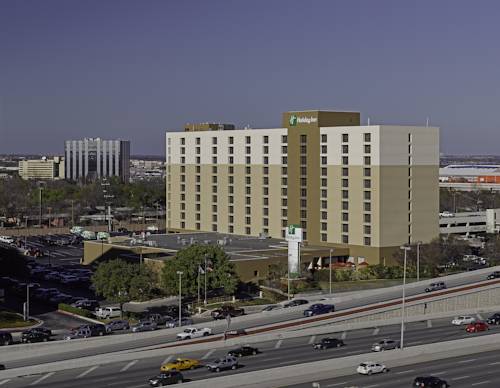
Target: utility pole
{"points": [[330, 265], [406, 248], [180, 297], [418, 260], [40, 206], [205, 301]]}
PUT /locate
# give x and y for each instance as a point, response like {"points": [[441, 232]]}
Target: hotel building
{"points": [[365, 188]]}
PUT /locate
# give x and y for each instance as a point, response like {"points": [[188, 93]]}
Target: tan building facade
{"points": [[365, 188], [44, 168]]}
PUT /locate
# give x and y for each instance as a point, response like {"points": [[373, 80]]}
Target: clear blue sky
{"points": [[132, 69]]}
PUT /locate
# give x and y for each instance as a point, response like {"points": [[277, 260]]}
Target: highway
{"points": [[134, 373]]}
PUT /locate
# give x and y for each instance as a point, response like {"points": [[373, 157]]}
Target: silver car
{"points": [[175, 322], [228, 362], [119, 324], [144, 326], [385, 344]]}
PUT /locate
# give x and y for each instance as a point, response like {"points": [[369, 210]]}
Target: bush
{"points": [[75, 310]]}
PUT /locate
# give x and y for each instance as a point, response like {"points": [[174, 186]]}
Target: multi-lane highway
{"points": [[277, 353]]}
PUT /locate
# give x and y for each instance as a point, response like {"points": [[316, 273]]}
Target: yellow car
{"points": [[180, 364]]}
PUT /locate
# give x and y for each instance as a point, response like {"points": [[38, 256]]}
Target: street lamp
{"points": [[418, 259], [405, 248], [27, 317], [330, 265], [205, 301], [180, 297]]}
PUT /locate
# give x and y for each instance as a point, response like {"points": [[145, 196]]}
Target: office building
{"points": [[42, 169], [365, 188], [94, 158]]}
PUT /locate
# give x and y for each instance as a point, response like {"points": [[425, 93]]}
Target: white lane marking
{"points": [[278, 344], [376, 331], [372, 386], [311, 340], [479, 316], [494, 363], [405, 371], [87, 371], [466, 361], [337, 384], [460, 377], [440, 373], [480, 383], [42, 378], [129, 365], [208, 354], [167, 360], [429, 324], [344, 335], [4, 381]]}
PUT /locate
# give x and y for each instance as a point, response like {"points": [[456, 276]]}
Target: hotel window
{"points": [[324, 182], [303, 203], [303, 214], [303, 160], [284, 149], [247, 230], [248, 210], [231, 229], [214, 208], [367, 195], [303, 192], [284, 171], [183, 225], [324, 237], [214, 179], [345, 171], [266, 201], [214, 189], [248, 180], [265, 190], [324, 226], [303, 171], [368, 137], [248, 191], [231, 140], [214, 169], [214, 227], [368, 241], [231, 161], [247, 160], [323, 160], [303, 225], [345, 137], [284, 223], [324, 215], [266, 139], [183, 169], [265, 170], [345, 182], [169, 141], [231, 219], [284, 138], [266, 159], [324, 204], [284, 160], [368, 172], [214, 159], [368, 160], [198, 216], [303, 149], [409, 137], [248, 170], [324, 149], [265, 221], [265, 180], [345, 228], [324, 138], [248, 150], [214, 140], [231, 209], [183, 160], [183, 150], [265, 149], [198, 160], [183, 215], [231, 180], [214, 198], [303, 181], [266, 211], [183, 197], [247, 139], [284, 212], [198, 150], [345, 160], [183, 187], [231, 168], [198, 196], [198, 207], [248, 200], [367, 148], [231, 150], [367, 229], [284, 181], [198, 141], [345, 194], [345, 217], [183, 141], [367, 218], [367, 183], [248, 220], [367, 206], [303, 139], [345, 148], [183, 206], [283, 191], [198, 226], [231, 189], [323, 194], [345, 205], [324, 171], [214, 217], [345, 239], [284, 202]]}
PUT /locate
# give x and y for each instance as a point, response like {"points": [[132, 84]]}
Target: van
{"points": [[88, 235], [108, 312]]}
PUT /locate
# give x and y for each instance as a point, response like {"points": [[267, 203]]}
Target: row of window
{"points": [[248, 140]]}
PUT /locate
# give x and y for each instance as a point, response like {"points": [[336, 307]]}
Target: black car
{"points": [[295, 302], [2, 367], [95, 329], [494, 319], [172, 377], [494, 275], [319, 308], [327, 343], [5, 338], [430, 381], [31, 336], [243, 351]]}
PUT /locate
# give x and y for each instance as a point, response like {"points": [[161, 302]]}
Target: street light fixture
{"points": [[27, 317], [180, 297], [405, 248]]}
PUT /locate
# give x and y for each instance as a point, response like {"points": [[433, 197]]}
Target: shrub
{"points": [[75, 310]]}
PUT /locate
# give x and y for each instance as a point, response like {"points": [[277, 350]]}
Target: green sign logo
{"points": [[293, 120], [291, 229]]}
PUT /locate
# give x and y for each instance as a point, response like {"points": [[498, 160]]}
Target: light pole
{"points": [[205, 301], [28, 301], [330, 265], [288, 277], [418, 260], [406, 248], [180, 297], [40, 205]]}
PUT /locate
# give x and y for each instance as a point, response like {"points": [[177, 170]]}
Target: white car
{"points": [[463, 320], [370, 367], [193, 332], [6, 239], [108, 312]]}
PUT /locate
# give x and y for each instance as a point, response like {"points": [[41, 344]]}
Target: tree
{"points": [[120, 282], [191, 261]]}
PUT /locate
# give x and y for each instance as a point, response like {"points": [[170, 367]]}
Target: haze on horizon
{"points": [[132, 69]]}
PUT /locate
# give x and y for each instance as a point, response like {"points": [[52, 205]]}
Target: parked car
{"points": [[108, 312], [494, 275], [162, 379], [180, 364], [319, 308], [77, 334], [436, 287], [31, 336], [430, 382], [96, 329], [370, 367], [245, 350], [87, 304], [7, 239], [295, 302], [476, 327], [385, 344], [463, 320], [159, 319], [327, 343], [228, 362], [494, 319], [144, 326], [193, 332], [224, 311], [5, 338], [175, 322], [119, 324], [42, 330]]}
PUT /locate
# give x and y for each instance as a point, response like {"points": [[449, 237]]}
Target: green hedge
{"points": [[75, 310]]}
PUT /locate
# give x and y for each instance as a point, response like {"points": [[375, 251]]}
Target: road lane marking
{"points": [[337, 384], [466, 361], [405, 371], [311, 340], [43, 378], [429, 324], [460, 378], [441, 373], [208, 354], [372, 386], [494, 363], [480, 383], [129, 365], [4, 381], [167, 360], [344, 335], [376, 331], [278, 344], [87, 371]]}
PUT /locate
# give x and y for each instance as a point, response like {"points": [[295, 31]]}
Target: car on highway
{"points": [[118, 324], [180, 364], [295, 302], [272, 307], [169, 378], [494, 275], [2, 367], [327, 343], [385, 344], [245, 350], [476, 327], [224, 311], [463, 320], [370, 367], [144, 326], [494, 319], [193, 332], [435, 287], [234, 333], [228, 362], [5, 338], [31, 336], [319, 308], [185, 321], [430, 382]]}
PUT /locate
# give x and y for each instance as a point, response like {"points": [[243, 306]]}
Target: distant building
{"points": [[43, 168], [93, 158], [469, 177]]}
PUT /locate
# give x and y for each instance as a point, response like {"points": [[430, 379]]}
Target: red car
{"points": [[477, 326]]}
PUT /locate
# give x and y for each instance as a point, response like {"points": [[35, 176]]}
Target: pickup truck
{"points": [[193, 332], [224, 311], [108, 312]]}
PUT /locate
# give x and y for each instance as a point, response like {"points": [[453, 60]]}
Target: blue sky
{"points": [[133, 69]]}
